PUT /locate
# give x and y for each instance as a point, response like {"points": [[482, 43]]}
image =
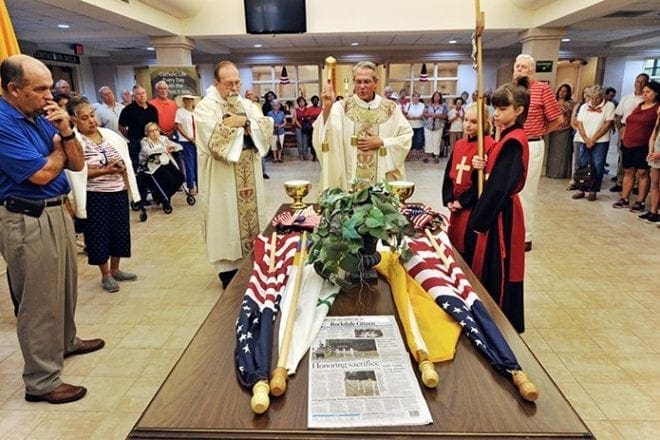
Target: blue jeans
{"points": [[302, 142], [418, 139], [598, 154], [190, 162]]}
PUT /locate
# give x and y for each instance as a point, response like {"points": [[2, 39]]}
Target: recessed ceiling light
{"points": [[258, 45], [565, 40], [63, 26], [355, 44], [452, 41], [151, 48]]}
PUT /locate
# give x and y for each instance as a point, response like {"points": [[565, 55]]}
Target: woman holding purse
{"points": [[594, 121]]}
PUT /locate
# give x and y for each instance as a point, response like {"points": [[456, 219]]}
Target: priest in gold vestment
{"points": [[367, 137], [231, 137]]}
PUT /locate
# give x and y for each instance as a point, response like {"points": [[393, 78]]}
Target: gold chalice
{"points": [[297, 190], [403, 188]]}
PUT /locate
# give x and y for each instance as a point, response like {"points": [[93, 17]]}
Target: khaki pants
{"points": [[41, 262], [528, 193]]}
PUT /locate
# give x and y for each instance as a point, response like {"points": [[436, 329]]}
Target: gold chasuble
{"points": [[231, 194], [352, 119]]}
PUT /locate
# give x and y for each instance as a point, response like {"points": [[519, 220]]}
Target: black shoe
{"points": [[616, 188], [528, 246], [643, 217], [266, 176], [226, 277]]}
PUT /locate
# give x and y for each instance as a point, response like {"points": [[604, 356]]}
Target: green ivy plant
{"points": [[347, 217]]}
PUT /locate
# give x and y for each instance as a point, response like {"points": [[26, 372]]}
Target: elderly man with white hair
{"points": [[368, 136], [108, 110], [543, 117], [166, 108], [232, 136]]}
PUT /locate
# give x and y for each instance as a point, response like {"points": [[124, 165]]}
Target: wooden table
{"points": [[201, 397]]}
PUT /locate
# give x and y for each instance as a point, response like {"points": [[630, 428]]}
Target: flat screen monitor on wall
{"points": [[275, 16]]}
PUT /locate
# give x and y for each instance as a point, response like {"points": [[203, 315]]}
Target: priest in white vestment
{"points": [[366, 136], [231, 137]]}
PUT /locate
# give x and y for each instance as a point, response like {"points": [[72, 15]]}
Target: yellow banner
{"points": [[8, 42]]}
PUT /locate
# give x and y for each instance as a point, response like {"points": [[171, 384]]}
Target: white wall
{"points": [[633, 68]]}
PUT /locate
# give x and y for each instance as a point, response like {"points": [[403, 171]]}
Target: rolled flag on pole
{"points": [[433, 266], [423, 75], [431, 334], [8, 43], [316, 297], [284, 76], [254, 325]]}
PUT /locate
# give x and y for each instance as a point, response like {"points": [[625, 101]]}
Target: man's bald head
{"points": [[13, 70]]}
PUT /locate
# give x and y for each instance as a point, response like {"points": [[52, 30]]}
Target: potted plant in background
{"points": [[344, 243]]}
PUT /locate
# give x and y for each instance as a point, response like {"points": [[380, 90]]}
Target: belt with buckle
{"points": [[534, 138], [44, 203]]}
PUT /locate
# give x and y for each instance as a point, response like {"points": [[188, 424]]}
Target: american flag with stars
{"points": [[302, 219], [447, 284], [261, 303], [423, 216]]}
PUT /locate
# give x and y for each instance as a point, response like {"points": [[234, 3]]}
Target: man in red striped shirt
{"points": [[544, 116]]}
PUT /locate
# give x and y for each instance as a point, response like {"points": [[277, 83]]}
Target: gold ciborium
{"points": [[297, 190], [403, 188]]}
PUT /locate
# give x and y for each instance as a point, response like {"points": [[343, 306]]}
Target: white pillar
{"points": [[173, 51]]}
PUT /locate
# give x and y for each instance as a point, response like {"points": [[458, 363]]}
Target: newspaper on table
{"points": [[360, 375]]}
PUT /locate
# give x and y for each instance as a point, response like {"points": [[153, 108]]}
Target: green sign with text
{"points": [[544, 66]]}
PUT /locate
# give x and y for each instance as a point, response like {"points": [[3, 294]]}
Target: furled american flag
{"points": [[447, 284], [423, 75], [423, 216], [254, 326], [306, 219], [284, 76]]}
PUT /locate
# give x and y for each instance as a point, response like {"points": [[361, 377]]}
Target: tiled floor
{"points": [[592, 295]]}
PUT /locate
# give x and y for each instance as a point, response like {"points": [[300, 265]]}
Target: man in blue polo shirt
{"points": [[36, 231]]}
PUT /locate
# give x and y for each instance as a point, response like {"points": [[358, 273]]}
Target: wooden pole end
{"points": [[527, 389], [260, 400], [430, 377], [278, 381]]}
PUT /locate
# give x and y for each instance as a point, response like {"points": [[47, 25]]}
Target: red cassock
{"points": [[460, 184], [495, 238]]}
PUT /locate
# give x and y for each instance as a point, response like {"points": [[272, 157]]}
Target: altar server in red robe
{"points": [[495, 239], [459, 190]]}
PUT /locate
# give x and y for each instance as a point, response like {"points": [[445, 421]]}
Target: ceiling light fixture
{"points": [[355, 44], [452, 41], [258, 45], [565, 40], [63, 26]]}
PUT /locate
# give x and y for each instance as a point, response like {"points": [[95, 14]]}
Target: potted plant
{"points": [[344, 243]]}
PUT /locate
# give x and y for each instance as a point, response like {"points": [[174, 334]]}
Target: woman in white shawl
{"points": [[101, 193]]}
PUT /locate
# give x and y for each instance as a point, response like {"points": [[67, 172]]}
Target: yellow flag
{"points": [[437, 330], [9, 45]]}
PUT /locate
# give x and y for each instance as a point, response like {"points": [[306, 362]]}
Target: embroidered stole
{"points": [[246, 200]]}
